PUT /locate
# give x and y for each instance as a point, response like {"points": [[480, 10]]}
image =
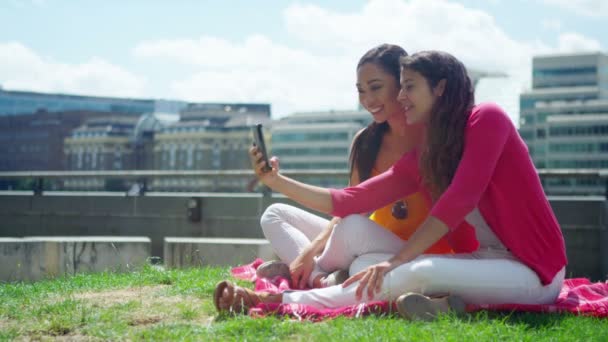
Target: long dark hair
{"points": [[449, 115], [366, 146]]}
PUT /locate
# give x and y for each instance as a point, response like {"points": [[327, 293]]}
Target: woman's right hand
{"points": [[301, 268], [258, 164]]}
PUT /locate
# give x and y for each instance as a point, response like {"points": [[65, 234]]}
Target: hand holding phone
{"points": [[258, 136]]}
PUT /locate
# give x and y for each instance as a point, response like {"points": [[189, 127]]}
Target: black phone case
{"points": [[260, 143]]}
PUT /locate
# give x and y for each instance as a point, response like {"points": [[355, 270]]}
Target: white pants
{"points": [[483, 277], [290, 230]]}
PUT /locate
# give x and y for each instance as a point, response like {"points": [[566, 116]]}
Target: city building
{"points": [[103, 143], [210, 136], [564, 118], [34, 142], [26, 102], [317, 140], [41, 131]]}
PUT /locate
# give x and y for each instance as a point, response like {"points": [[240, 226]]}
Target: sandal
{"points": [[273, 268], [415, 306], [240, 299], [335, 278]]}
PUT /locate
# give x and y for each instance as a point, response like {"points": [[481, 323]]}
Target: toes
{"points": [[222, 295]]}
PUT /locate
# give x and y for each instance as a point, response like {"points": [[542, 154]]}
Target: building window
{"points": [[172, 151], [94, 159], [540, 133], [189, 156], [79, 159]]}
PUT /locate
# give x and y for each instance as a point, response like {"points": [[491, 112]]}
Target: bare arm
{"points": [[310, 196], [431, 230], [317, 246]]}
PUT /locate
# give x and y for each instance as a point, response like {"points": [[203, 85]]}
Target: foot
{"points": [[415, 306], [334, 278], [273, 268], [233, 299]]}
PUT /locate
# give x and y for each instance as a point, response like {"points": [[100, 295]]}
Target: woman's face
{"points": [[417, 97], [378, 92]]}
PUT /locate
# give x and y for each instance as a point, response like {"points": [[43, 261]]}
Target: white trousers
{"points": [[290, 230], [484, 277]]}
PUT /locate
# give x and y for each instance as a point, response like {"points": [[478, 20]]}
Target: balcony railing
{"points": [[143, 178]]}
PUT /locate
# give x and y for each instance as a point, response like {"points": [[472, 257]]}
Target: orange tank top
{"points": [[417, 210]]}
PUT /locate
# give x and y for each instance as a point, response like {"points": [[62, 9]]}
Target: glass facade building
{"points": [[317, 140], [23, 102], [564, 118]]}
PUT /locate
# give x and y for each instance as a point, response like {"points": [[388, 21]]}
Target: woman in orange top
{"points": [[404, 216], [303, 241]]}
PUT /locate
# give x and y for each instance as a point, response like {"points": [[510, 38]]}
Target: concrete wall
{"points": [[155, 216], [196, 252], [36, 258], [583, 220]]}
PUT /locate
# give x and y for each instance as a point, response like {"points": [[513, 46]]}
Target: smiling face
{"points": [[417, 97], [378, 92]]}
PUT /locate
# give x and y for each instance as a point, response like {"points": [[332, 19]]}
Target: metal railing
{"points": [[143, 177]]}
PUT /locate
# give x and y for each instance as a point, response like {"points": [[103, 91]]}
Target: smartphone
{"points": [[258, 136]]}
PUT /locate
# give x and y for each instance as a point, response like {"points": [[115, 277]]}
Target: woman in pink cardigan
{"points": [[476, 168]]}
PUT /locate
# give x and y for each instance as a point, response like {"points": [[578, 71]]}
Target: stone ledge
{"points": [[194, 252], [40, 257]]}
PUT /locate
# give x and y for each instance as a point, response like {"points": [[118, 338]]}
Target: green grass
{"points": [[153, 304]]}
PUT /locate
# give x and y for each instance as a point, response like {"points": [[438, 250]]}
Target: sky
{"points": [[295, 55]]}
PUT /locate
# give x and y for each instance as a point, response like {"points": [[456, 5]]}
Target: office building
{"points": [[26, 102], [34, 142], [317, 140], [564, 118], [211, 136]]}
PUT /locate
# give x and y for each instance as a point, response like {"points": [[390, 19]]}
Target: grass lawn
{"points": [[154, 304]]}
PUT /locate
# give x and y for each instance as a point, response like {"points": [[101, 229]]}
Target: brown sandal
{"points": [[415, 306], [241, 299], [273, 268]]}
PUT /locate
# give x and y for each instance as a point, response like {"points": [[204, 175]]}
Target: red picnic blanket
{"points": [[578, 296]]}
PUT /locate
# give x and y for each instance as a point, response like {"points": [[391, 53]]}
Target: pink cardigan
{"points": [[496, 175]]}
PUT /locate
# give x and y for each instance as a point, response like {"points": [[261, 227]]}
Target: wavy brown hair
{"points": [[449, 114], [367, 144]]}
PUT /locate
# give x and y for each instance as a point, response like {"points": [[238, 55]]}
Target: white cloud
{"points": [[320, 74], [471, 35], [315, 70], [210, 52], [574, 42], [257, 70], [592, 8], [23, 68]]}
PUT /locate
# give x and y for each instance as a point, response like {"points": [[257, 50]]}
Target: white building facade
{"points": [[564, 118]]}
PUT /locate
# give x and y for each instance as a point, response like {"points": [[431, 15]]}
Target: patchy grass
{"points": [[154, 304]]}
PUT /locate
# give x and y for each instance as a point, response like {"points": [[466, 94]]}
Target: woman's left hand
{"points": [[371, 277]]}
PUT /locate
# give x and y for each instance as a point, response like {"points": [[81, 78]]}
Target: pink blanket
{"points": [[578, 296]]}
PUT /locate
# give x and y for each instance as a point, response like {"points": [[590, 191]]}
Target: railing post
{"points": [[38, 186], [144, 187], [266, 191]]}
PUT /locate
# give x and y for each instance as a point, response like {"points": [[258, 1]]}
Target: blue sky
{"points": [[298, 56]]}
